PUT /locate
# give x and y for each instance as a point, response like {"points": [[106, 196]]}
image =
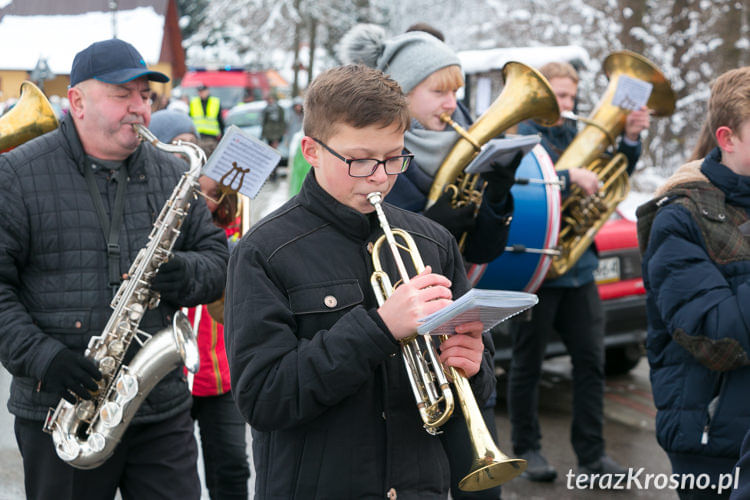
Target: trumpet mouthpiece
{"points": [[375, 197]]}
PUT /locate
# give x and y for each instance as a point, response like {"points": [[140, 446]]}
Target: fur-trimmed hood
{"points": [[689, 172]]}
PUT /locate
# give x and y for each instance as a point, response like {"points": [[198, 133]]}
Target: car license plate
{"points": [[608, 270]]}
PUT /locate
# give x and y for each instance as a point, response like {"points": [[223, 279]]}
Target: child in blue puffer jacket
{"points": [[696, 270]]}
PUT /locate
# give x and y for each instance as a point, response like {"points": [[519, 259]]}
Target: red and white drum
{"points": [[533, 230]]}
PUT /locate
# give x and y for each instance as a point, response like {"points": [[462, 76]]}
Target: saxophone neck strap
{"points": [[110, 228]]}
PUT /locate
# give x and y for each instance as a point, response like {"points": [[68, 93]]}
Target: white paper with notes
{"points": [[241, 162], [488, 306]]}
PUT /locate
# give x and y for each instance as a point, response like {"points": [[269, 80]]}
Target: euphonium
{"points": [[583, 216], [490, 466], [86, 433], [31, 116], [526, 95]]}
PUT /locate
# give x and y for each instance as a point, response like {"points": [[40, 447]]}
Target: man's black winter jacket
{"points": [[54, 289]]}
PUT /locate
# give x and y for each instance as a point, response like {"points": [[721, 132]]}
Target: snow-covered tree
{"points": [[690, 41]]}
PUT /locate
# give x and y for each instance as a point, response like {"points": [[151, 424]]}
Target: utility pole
{"points": [[113, 8]]}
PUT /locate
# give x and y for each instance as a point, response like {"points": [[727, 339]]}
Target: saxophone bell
{"points": [[85, 438]]}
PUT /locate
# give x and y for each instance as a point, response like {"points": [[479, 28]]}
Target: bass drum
{"points": [[533, 231]]}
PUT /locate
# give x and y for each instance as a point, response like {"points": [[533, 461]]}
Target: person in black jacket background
{"points": [[315, 362], [59, 268]]}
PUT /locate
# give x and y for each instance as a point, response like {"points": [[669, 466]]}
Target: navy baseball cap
{"points": [[111, 61]]}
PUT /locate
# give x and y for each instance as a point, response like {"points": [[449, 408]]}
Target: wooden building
{"points": [[50, 32]]}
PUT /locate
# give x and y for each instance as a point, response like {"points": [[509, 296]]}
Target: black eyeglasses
{"points": [[365, 167]]}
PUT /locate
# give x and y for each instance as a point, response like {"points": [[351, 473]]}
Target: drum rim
{"points": [[553, 217]]}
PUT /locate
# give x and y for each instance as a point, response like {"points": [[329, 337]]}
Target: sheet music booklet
{"points": [[488, 306], [241, 162], [501, 151], [631, 93]]}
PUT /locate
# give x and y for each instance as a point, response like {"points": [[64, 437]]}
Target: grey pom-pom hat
{"points": [[408, 58]]}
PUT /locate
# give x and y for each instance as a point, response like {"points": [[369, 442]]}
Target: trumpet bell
{"points": [[488, 473], [30, 117], [490, 467]]}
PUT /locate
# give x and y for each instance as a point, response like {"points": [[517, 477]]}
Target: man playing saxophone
{"points": [[314, 360], [77, 206]]}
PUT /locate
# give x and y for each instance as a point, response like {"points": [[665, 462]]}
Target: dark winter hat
{"points": [[408, 58], [111, 61], [166, 124]]}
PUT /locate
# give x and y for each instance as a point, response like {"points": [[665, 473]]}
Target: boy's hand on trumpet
{"points": [[424, 294], [464, 349]]}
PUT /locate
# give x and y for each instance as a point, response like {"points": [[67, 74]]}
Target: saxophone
{"points": [[85, 434]]}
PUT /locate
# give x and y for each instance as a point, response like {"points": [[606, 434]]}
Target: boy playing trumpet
{"points": [[314, 360]]}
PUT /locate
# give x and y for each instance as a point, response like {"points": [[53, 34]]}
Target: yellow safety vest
{"points": [[208, 123]]}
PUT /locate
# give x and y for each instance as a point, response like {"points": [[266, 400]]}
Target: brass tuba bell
{"points": [[526, 95], [583, 216], [31, 116]]}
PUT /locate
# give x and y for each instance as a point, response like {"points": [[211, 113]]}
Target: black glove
{"points": [[501, 178], [70, 374], [456, 220], [172, 279]]}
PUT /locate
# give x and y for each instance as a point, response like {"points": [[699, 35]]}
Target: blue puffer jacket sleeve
{"points": [[689, 290]]}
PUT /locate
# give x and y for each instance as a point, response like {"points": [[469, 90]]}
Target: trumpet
{"points": [[427, 376]]}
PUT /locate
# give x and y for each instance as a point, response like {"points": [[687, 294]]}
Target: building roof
{"points": [[479, 61], [66, 8], [57, 30]]}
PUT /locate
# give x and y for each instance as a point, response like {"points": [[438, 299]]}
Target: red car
{"points": [[623, 295]]}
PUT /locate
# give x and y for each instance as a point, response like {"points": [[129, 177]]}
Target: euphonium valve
{"points": [[435, 401]]}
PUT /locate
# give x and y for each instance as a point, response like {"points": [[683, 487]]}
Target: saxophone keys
{"points": [[67, 448], [111, 414], [108, 364], [135, 312], [126, 387], [85, 410], [96, 442]]}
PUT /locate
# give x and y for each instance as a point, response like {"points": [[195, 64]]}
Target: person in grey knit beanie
{"points": [[169, 125], [408, 58]]}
